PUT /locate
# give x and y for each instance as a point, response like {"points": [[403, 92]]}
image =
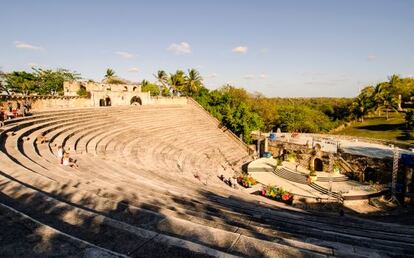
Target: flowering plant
{"points": [[246, 181], [277, 193]]}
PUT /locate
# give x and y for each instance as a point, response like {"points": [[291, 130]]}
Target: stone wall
{"points": [[364, 168], [47, 102], [305, 156]]}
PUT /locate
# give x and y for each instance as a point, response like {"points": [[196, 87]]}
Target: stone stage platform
{"points": [[294, 180]]}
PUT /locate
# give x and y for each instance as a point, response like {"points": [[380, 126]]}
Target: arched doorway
{"points": [[108, 101], [318, 164], [136, 101], [101, 102]]}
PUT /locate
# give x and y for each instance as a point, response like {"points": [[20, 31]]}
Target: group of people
{"points": [[10, 111], [63, 155], [231, 181], [65, 159]]}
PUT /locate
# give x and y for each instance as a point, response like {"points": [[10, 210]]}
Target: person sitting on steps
{"points": [[68, 161], [41, 138]]}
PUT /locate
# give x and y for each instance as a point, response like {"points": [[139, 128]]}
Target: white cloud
{"points": [[371, 57], [133, 70], [23, 45], [263, 76], [240, 50], [249, 76], [181, 48], [125, 55]]}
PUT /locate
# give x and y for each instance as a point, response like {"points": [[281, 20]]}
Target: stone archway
{"points": [[108, 101], [136, 101], [318, 164]]}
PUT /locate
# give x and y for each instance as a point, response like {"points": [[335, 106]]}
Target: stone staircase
{"points": [[147, 186], [291, 176], [302, 179]]}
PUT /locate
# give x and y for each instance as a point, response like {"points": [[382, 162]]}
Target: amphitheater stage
{"points": [[294, 180]]}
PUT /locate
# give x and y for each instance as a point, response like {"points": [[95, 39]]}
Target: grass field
{"points": [[378, 127]]}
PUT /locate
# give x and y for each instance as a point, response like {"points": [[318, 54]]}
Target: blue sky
{"points": [[280, 48]]}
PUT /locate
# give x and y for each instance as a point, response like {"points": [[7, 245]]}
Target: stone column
{"points": [[266, 144]]}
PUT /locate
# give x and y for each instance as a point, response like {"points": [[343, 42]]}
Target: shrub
{"points": [[83, 92]]}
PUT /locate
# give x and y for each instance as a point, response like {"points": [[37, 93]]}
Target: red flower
{"points": [[285, 197]]}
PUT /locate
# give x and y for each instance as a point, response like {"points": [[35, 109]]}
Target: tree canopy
{"points": [[39, 81]]}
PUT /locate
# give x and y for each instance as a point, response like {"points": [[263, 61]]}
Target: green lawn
{"points": [[378, 127]]}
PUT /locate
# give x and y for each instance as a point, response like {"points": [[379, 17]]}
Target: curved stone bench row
{"points": [[185, 206]]}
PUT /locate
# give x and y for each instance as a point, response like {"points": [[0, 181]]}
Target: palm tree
{"points": [[359, 107], [193, 81], [386, 94], [144, 83], [162, 78], [177, 81], [109, 73]]}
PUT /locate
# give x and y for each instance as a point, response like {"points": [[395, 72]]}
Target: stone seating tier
{"points": [[136, 187]]}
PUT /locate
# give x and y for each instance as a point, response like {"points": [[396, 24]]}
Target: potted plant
{"points": [[277, 194], [246, 181], [312, 176]]}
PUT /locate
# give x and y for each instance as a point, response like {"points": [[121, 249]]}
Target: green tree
{"points": [[386, 94], [109, 73], [22, 82], [409, 119], [162, 78], [303, 119], [151, 87], [51, 81], [177, 81], [234, 114], [4, 86], [265, 109], [364, 102], [193, 82]]}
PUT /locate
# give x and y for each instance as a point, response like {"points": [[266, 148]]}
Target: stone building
{"points": [[104, 94]]}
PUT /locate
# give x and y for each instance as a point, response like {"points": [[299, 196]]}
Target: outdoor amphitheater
{"points": [[147, 185]]}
